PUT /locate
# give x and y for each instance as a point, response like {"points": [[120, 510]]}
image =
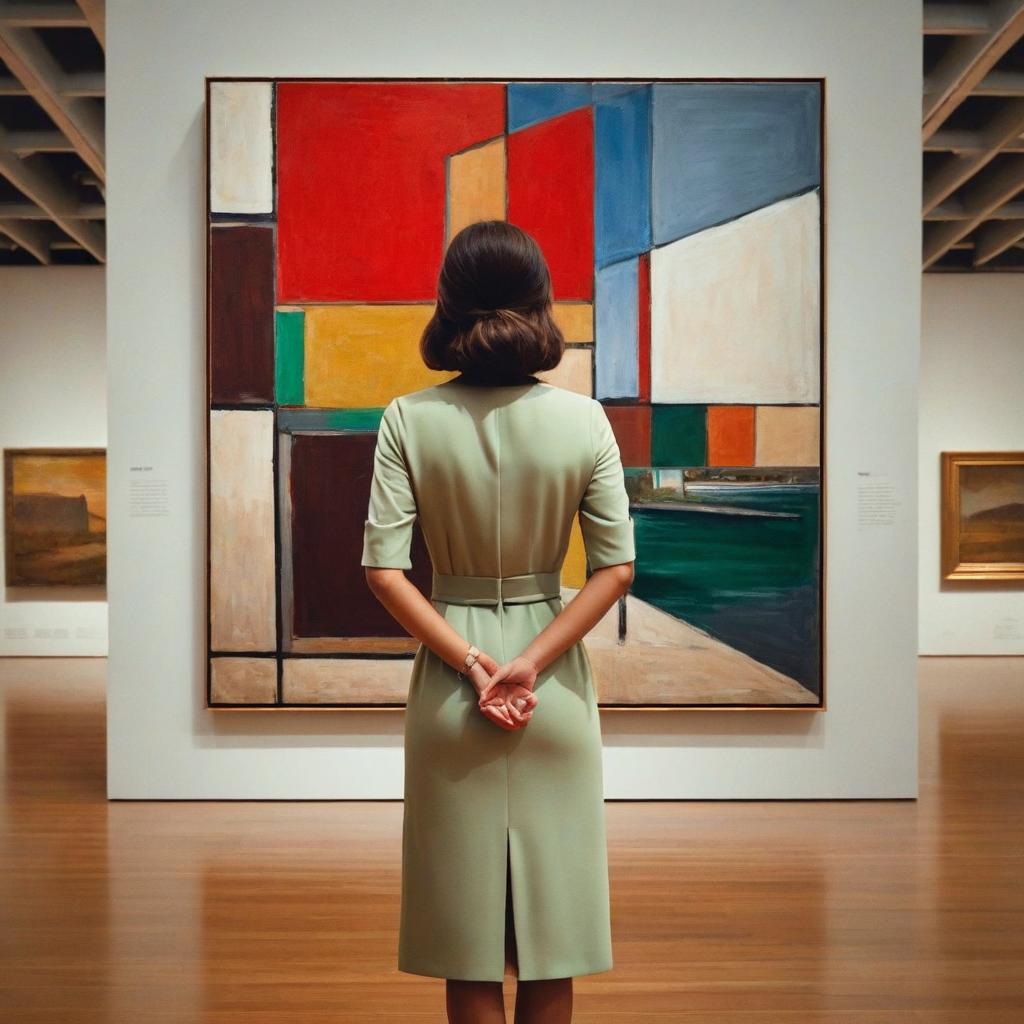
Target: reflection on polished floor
{"points": [[871, 912]]}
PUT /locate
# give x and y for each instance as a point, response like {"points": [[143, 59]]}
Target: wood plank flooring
{"points": [[804, 912]]}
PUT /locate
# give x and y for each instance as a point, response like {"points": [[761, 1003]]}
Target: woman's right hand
{"points": [[520, 671]]}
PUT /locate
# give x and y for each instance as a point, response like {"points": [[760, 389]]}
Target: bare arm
{"points": [[605, 586], [580, 615], [422, 620]]}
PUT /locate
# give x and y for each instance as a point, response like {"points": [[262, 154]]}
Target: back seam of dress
{"points": [[497, 466], [504, 655]]}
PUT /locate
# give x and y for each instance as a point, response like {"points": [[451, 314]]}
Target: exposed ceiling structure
{"points": [[53, 177], [973, 134], [52, 167]]}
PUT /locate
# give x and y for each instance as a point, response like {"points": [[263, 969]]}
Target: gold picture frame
{"points": [[983, 516]]}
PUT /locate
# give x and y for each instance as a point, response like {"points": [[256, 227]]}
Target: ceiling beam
{"points": [[955, 19], [31, 236], [77, 83], [84, 83], [43, 15], [80, 119], [981, 197], [995, 238], [1001, 130], [953, 209], [1001, 83], [37, 180], [967, 61], [96, 15], [955, 140], [39, 141], [29, 211]]}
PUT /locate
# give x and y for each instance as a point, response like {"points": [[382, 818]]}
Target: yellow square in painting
{"points": [[576, 319], [574, 568], [363, 355]]}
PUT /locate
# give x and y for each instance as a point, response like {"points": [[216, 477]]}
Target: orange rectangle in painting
{"points": [[476, 185], [730, 435]]}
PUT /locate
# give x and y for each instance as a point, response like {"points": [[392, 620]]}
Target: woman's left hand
{"points": [[509, 706], [515, 702]]}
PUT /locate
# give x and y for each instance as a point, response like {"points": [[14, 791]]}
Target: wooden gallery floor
{"points": [[731, 912]]}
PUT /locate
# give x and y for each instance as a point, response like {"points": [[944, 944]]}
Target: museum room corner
{"points": [[512, 512]]}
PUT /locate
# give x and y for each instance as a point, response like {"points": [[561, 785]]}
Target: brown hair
{"points": [[493, 319]]}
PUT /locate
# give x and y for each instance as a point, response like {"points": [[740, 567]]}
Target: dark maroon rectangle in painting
{"points": [[330, 492], [241, 314]]}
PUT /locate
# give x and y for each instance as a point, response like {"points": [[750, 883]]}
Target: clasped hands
{"points": [[505, 692]]}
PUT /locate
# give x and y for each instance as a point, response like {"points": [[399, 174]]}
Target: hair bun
{"points": [[494, 312]]}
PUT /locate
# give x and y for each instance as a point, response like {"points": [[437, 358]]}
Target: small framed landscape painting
{"points": [[983, 515], [55, 516], [683, 221]]}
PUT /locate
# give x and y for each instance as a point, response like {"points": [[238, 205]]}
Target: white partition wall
{"points": [[53, 395], [162, 742], [972, 366]]}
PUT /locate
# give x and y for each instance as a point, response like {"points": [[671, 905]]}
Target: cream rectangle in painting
{"points": [[241, 148], [242, 563], [735, 309]]}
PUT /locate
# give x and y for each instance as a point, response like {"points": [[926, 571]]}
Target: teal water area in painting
{"points": [[752, 581]]}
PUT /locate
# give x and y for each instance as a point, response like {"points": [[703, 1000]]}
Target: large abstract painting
{"points": [[55, 515], [683, 222]]}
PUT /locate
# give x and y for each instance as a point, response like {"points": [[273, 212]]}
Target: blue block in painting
{"points": [[622, 172], [606, 90], [616, 365], [531, 102], [722, 149]]}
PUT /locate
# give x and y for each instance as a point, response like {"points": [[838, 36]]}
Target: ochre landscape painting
{"points": [[983, 515], [55, 517], [683, 224], [992, 513]]}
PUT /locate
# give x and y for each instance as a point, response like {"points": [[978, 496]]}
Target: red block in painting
{"points": [[631, 425], [730, 435], [361, 183], [551, 195], [643, 320]]}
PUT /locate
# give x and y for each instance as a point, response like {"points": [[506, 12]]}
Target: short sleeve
{"points": [[604, 510], [387, 532]]}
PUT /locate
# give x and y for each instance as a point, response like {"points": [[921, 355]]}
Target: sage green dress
{"points": [[495, 475]]}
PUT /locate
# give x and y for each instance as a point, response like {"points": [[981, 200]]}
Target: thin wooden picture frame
{"points": [[280, 654]]}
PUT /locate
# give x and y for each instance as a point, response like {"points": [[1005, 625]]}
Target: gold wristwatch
{"points": [[471, 655]]}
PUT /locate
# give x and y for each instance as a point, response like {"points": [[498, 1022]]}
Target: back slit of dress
{"points": [[511, 950]]}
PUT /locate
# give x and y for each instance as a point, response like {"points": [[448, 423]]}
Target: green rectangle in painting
{"points": [[289, 381], [295, 420], [679, 435]]}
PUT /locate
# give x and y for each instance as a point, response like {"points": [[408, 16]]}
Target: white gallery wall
{"points": [[972, 369], [162, 742], [53, 394]]}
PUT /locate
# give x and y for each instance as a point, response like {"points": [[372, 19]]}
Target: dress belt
{"points": [[523, 589]]}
